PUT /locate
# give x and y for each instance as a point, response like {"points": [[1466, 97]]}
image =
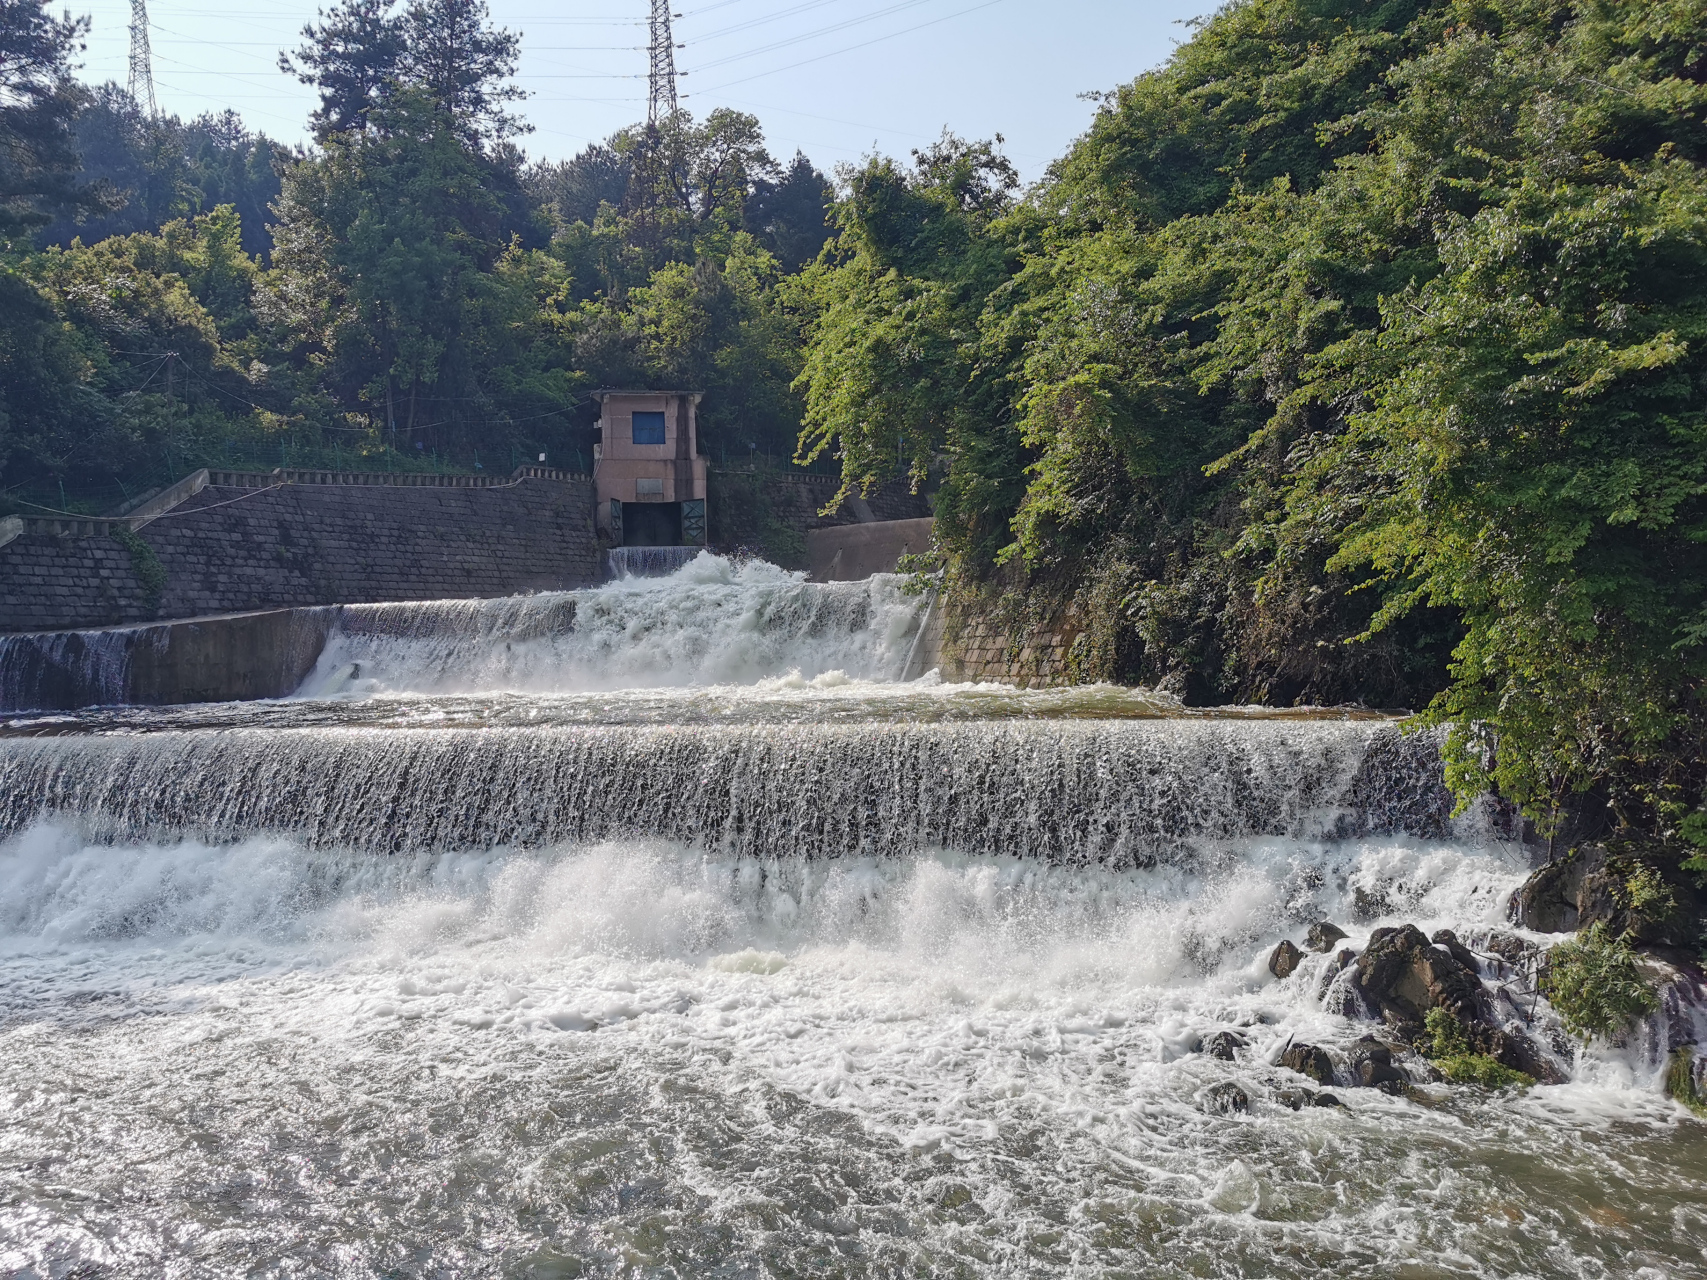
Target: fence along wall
{"points": [[248, 541]]}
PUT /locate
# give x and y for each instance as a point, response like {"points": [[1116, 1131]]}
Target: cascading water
{"points": [[647, 562], [657, 930], [69, 668], [712, 622]]}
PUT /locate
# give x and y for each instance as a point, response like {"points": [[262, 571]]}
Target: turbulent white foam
{"points": [[714, 621], [703, 983], [969, 1043]]}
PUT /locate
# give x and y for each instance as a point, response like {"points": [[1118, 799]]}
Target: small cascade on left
{"points": [[232, 657], [64, 670]]}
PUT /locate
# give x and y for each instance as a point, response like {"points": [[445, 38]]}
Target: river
{"points": [[663, 930]]}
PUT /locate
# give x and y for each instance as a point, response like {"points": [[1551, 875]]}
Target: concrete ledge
{"points": [[223, 658], [168, 498], [394, 479], [851, 552]]}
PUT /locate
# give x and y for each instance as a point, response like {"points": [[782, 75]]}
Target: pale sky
{"points": [[836, 79]]}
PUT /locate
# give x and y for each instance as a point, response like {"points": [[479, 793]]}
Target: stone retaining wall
{"points": [[799, 498], [978, 646], [257, 541], [771, 513]]}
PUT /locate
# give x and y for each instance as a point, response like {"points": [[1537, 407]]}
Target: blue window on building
{"points": [[649, 428]]}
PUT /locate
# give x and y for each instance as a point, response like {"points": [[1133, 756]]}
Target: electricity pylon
{"points": [[141, 66], [662, 102]]}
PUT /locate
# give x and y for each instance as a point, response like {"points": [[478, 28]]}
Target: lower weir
{"points": [[1095, 792]]}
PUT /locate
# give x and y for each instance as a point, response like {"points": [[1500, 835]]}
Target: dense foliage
{"points": [[1595, 984], [408, 291], [1357, 353]]}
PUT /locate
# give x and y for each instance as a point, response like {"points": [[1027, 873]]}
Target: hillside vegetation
{"points": [[1359, 353], [406, 291]]}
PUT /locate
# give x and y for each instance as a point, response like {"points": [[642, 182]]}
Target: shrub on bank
{"points": [[1595, 985]]}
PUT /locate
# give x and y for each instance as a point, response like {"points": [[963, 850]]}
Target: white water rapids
{"points": [[656, 931]]}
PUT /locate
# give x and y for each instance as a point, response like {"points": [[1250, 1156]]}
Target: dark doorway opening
{"points": [[651, 524]]}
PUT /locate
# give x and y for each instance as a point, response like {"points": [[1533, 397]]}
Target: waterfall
{"points": [[1097, 792], [649, 562], [60, 670], [713, 621], [710, 621]]}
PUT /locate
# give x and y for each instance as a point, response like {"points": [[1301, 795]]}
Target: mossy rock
{"points": [[1447, 1045], [1681, 1082]]}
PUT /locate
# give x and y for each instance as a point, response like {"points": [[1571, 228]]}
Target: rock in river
{"points": [[1323, 935], [1226, 1098], [1309, 1060], [1284, 959], [1224, 1045]]}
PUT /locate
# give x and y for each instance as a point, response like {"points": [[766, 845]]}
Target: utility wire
{"points": [[759, 75], [813, 35], [759, 22]]}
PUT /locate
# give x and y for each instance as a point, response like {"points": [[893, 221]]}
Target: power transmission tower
{"points": [[662, 103], [141, 66]]}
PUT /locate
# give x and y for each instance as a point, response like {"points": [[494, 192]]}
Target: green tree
{"points": [[351, 57], [38, 101], [462, 64], [894, 373], [577, 189], [790, 214], [160, 170]]}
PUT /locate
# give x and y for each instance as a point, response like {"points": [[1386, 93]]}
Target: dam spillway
{"points": [[1105, 792], [663, 928]]}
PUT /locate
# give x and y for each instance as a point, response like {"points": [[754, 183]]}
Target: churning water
{"points": [[657, 931]]}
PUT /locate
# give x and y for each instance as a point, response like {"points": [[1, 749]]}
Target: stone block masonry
{"points": [[799, 498], [973, 646], [254, 541]]}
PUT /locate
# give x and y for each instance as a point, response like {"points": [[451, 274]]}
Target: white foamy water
{"points": [[658, 930], [712, 622], [635, 1059]]}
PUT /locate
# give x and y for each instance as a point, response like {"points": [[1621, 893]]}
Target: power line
{"points": [[834, 53], [759, 22], [812, 35]]}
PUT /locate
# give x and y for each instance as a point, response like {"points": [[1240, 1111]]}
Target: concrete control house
{"points": [[647, 473]]}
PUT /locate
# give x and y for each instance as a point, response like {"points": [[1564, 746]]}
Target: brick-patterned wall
{"points": [[978, 646], [307, 544], [771, 513]]}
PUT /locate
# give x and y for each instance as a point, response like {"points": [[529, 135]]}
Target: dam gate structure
{"points": [[650, 479]]}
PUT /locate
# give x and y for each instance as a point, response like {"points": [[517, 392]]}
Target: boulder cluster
{"points": [[1403, 981], [1395, 981], [1647, 900], [1642, 897]]}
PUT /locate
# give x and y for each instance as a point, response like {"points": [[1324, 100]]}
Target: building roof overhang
{"points": [[604, 392]]}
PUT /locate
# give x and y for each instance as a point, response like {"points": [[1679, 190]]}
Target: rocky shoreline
{"points": [[1476, 1010]]}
